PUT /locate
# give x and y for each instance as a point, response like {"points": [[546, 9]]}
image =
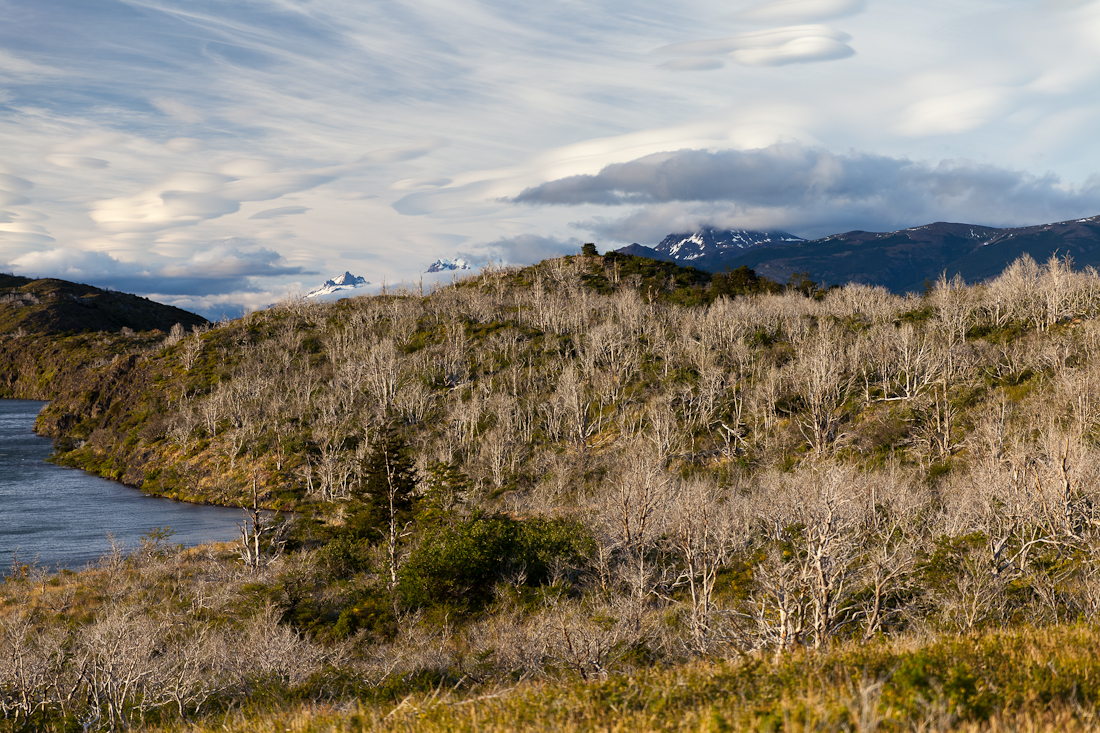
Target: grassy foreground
{"points": [[1022, 680]]}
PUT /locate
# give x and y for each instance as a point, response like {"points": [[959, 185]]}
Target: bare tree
{"points": [[262, 537], [705, 532], [115, 658], [635, 514], [780, 604], [189, 354], [821, 376]]}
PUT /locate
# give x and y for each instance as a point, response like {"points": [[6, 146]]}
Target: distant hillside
{"points": [[901, 261], [59, 306], [640, 250]]}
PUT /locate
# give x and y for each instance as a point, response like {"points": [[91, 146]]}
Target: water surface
{"points": [[60, 517]]}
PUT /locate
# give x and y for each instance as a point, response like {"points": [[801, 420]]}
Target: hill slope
{"points": [[57, 306], [593, 466]]}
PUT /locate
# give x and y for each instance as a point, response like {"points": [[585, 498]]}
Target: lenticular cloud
{"points": [[773, 47]]}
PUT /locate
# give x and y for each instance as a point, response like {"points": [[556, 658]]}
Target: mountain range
{"points": [[347, 281], [901, 260]]}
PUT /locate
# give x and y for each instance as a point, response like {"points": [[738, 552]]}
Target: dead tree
{"points": [[703, 537], [822, 378], [637, 515], [827, 566], [262, 538]]}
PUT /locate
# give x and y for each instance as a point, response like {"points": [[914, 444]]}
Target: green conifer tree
{"points": [[387, 492]]}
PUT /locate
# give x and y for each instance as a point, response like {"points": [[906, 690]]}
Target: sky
{"points": [[219, 155]]}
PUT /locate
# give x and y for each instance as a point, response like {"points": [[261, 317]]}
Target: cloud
{"points": [[217, 306], [651, 224], [359, 256], [434, 241], [68, 263], [189, 197], [181, 199], [23, 231], [25, 70], [692, 65], [273, 185], [947, 114], [803, 188], [19, 229], [454, 199], [186, 198], [224, 267], [773, 47], [801, 11], [12, 189], [418, 184], [246, 168], [523, 249], [280, 211], [801, 50], [185, 144], [76, 161], [228, 260], [387, 156], [14, 183], [177, 109]]}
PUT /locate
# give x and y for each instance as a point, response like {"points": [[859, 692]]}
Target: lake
{"points": [[60, 517]]}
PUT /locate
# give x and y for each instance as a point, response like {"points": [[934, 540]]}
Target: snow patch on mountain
{"points": [[445, 265], [708, 241], [347, 281]]}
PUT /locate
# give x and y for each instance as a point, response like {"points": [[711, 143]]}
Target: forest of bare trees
{"points": [[578, 467]]}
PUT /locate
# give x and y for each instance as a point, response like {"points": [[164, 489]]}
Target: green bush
{"points": [[370, 609], [459, 566], [344, 556]]}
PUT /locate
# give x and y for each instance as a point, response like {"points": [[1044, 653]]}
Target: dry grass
{"points": [[1029, 680], [515, 711]]}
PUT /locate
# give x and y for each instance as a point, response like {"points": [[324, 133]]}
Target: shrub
{"points": [[344, 556], [459, 566], [370, 609]]}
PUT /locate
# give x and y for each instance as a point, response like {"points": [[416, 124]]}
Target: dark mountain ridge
{"points": [[640, 250], [903, 260], [711, 242], [57, 306]]}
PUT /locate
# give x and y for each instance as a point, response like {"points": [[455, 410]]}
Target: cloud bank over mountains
{"points": [[816, 190], [218, 155], [223, 267]]}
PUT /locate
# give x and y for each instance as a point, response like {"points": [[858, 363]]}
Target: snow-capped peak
{"points": [[347, 281], [445, 265]]}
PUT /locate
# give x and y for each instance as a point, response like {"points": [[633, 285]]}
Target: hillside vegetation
{"points": [[575, 483], [53, 332]]}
